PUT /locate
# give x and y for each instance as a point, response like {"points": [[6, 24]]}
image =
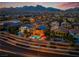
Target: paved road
{"points": [[18, 46]]}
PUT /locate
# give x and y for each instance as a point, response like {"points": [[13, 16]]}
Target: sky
{"points": [[59, 5]]}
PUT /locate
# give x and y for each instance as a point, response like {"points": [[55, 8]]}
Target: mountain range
{"points": [[73, 10], [36, 9]]}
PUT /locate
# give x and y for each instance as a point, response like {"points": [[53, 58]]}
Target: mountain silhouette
{"points": [[37, 8], [73, 10]]}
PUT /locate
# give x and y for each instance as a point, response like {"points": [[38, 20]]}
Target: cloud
{"points": [[68, 5], [60, 5]]}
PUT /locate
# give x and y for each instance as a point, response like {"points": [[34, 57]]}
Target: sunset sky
{"points": [[59, 5]]}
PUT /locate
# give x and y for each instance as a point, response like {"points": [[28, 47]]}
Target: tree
{"points": [[70, 39], [12, 29]]}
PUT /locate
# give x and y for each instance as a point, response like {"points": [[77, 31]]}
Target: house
{"points": [[1, 26], [75, 34], [71, 19], [38, 21], [15, 23], [60, 32], [32, 20], [11, 26], [25, 30], [75, 25], [54, 25], [66, 25]]}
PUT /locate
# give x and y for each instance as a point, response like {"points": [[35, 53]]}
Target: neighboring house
{"points": [[71, 19], [60, 33], [26, 29], [42, 27], [75, 34], [38, 22], [66, 25], [15, 23], [1, 23], [1, 26], [54, 25], [75, 25], [32, 20], [11, 26]]}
